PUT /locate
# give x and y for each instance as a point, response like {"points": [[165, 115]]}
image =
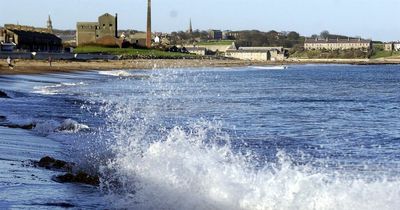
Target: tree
{"points": [[293, 35], [324, 34]]}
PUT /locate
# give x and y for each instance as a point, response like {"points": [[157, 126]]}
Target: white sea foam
{"points": [[51, 126], [195, 168], [54, 89], [270, 67], [123, 74], [118, 73]]}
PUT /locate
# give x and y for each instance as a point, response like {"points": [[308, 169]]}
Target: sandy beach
{"points": [[38, 67]]}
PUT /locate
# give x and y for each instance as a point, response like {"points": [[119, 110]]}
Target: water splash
{"points": [[155, 165]]}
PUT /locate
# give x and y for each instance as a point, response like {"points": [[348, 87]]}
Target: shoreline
{"points": [[43, 67]]}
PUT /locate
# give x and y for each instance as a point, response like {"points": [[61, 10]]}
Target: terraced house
{"points": [[337, 44]]}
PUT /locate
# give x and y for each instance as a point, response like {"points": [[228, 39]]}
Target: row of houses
{"points": [[337, 44], [29, 39]]}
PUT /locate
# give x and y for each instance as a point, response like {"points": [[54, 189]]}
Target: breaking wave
{"points": [[270, 67], [67, 126], [55, 89], [195, 167], [122, 73]]}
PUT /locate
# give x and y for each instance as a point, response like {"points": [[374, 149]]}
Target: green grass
{"points": [[384, 54], [133, 52], [381, 54], [222, 42]]}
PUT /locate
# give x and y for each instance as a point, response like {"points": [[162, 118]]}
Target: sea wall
{"points": [[56, 56]]}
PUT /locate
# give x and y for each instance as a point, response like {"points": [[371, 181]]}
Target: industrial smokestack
{"points": [[148, 37], [116, 25]]}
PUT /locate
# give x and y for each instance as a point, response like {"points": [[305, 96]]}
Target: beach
{"points": [[35, 67], [252, 137], [38, 67]]}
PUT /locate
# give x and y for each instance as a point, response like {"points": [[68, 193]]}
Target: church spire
{"points": [[190, 26], [50, 24]]}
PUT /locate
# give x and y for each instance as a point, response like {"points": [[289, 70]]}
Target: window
{"points": [[110, 25]]}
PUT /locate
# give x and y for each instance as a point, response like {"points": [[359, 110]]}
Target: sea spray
{"points": [[153, 164]]}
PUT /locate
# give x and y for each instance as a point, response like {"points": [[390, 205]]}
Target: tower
{"points": [[116, 25], [190, 26], [50, 25], [148, 35]]}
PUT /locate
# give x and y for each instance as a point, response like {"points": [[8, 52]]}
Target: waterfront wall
{"points": [[56, 56]]}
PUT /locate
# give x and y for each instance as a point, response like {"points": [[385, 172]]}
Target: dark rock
{"points": [[3, 95], [85, 178], [25, 127], [63, 205], [68, 177], [51, 164], [46, 161], [80, 177]]}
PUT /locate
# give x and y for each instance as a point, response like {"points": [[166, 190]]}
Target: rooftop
{"points": [[335, 41]]}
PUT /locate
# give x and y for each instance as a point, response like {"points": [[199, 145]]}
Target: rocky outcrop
{"points": [[54, 164], [70, 176], [3, 95], [80, 177], [25, 127]]}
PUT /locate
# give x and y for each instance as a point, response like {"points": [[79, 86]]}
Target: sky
{"points": [[370, 19]]}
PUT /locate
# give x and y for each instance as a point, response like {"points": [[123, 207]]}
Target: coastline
{"points": [[40, 67]]}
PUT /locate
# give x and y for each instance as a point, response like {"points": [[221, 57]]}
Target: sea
{"points": [[309, 137]]}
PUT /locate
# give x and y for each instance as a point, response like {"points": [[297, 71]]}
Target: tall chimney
{"points": [[148, 37], [116, 25]]}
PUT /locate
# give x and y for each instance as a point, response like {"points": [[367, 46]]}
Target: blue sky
{"points": [[366, 18]]}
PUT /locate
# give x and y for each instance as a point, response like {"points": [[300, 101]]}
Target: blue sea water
{"points": [[307, 137]]}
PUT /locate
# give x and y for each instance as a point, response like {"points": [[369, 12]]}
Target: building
{"points": [[215, 34], [388, 46], [337, 44], [137, 39], [104, 31], [392, 46], [29, 39], [196, 50], [218, 48], [396, 46], [258, 53]]}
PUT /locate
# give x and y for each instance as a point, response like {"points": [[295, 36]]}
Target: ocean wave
{"points": [[270, 67], [45, 127], [122, 73], [119, 73], [54, 89], [51, 126], [195, 168]]}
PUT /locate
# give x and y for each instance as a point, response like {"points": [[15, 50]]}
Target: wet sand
{"points": [[39, 67]]}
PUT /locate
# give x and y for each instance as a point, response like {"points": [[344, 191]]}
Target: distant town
{"points": [[96, 36]]}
